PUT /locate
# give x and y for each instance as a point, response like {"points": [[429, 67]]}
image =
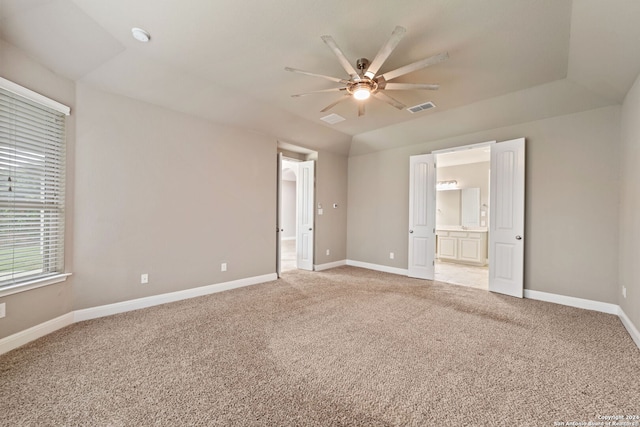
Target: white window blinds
{"points": [[32, 184]]}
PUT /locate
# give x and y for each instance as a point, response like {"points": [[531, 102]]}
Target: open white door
{"points": [[305, 215], [506, 222], [279, 216], [422, 221]]}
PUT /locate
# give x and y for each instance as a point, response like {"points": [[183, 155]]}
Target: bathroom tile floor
{"points": [[288, 255], [461, 274]]}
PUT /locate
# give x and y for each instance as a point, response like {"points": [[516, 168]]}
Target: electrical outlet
{"points": [[328, 252], [391, 255], [144, 278], [223, 266], [3, 310], [624, 291]]}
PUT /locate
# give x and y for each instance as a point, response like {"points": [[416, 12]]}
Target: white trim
{"points": [[136, 304], [329, 265], [33, 284], [288, 238], [23, 337], [378, 267], [633, 331], [587, 304], [33, 96], [464, 147]]}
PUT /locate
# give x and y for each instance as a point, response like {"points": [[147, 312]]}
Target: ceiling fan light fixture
{"points": [[362, 93]]}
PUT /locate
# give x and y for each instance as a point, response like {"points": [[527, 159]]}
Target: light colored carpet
{"points": [[341, 347]]}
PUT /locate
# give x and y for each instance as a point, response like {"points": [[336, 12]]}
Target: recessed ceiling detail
{"points": [[365, 81]]}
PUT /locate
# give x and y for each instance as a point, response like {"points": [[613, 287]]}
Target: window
{"points": [[32, 184]]}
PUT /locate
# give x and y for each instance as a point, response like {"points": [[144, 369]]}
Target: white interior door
{"points": [[422, 220], [279, 216], [305, 215], [506, 222]]}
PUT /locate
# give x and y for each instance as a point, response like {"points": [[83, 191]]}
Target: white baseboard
{"points": [[633, 331], [329, 265], [378, 267], [23, 337], [587, 304], [136, 304]]}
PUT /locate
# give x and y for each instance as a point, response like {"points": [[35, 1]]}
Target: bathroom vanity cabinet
{"points": [[462, 246]]}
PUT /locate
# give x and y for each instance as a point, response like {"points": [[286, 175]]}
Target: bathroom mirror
{"points": [[458, 207], [470, 207]]}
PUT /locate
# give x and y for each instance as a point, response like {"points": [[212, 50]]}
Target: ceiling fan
{"points": [[365, 82]]}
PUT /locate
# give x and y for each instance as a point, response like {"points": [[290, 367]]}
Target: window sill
{"points": [[33, 284]]}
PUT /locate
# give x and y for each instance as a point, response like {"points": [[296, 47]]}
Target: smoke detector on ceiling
{"points": [[140, 35]]}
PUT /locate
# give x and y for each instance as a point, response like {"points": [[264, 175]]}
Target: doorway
{"points": [[462, 216], [288, 228], [506, 222], [295, 210]]}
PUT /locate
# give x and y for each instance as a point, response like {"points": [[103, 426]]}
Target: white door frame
{"points": [[279, 217], [305, 214], [422, 216], [506, 223]]}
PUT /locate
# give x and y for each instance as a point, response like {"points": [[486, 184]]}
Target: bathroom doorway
{"points": [[288, 231], [462, 215]]}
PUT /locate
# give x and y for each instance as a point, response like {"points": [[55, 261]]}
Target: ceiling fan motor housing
{"points": [[362, 64]]}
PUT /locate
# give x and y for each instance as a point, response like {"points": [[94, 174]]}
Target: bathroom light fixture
{"points": [[447, 185], [140, 35]]}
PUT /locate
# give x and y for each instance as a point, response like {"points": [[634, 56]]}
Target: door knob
{"points": [[410, 231], [310, 229], [518, 237]]}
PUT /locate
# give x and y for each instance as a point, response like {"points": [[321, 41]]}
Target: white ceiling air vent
{"points": [[332, 119], [421, 107]]}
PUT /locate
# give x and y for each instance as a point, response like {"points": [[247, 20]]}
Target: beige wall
{"points": [[331, 226], [160, 192], [288, 220], [571, 230], [33, 307], [167, 194], [630, 206]]}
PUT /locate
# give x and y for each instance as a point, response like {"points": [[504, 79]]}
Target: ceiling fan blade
{"points": [[389, 100], [385, 51], [333, 104], [335, 89], [423, 63], [333, 79], [343, 59], [410, 86], [360, 109]]}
